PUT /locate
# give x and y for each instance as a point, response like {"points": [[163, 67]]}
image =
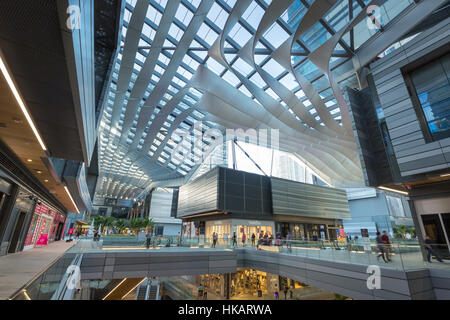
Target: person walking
{"points": [[289, 241], [431, 250], [244, 237], [148, 238], [200, 291], [214, 240], [266, 239], [387, 245], [253, 239], [234, 239], [179, 239], [380, 247]]}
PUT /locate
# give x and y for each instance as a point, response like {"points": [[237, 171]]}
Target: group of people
{"points": [[150, 239], [264, 239], [384, 246]]}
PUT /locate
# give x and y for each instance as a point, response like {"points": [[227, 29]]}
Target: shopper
{"points": [[214, 240], [253, 239], [387, 245], [200, 291], [244, 237], [179, 239], [234, 239], [380, 247], [289, 241], [431, 250], [148, 238]]}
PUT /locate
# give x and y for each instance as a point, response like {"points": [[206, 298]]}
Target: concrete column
{"points": [[5, 217], [227, 285]]}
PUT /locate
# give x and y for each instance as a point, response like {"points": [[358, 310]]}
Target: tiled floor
{"points": [[18, 268]]}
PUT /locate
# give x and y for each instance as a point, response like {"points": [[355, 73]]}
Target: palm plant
{"points": [[109, 222], [121, 224], [148, 223], [401, 230], [98, 220], [135, 225]]}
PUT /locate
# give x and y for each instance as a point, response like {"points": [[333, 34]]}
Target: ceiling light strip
{"points": [[394, 190], [20, 102], [70, 196], [120, 283]]}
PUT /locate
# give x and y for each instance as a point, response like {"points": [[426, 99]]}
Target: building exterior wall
{"points": [[413, 153], [161, 211], [306, 200]]}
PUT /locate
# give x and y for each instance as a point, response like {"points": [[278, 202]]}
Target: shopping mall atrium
{"points": [[225, 150]]}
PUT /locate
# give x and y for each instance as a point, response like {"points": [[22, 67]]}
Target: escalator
{"points": [[141, 291], [153, 293]]}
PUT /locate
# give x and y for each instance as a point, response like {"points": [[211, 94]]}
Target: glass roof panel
{"points": [[112, 153]]}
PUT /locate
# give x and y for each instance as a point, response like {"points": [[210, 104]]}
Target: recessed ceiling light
{"points": [[45, 180], [29, 160], [39, 171], [17, 120]]}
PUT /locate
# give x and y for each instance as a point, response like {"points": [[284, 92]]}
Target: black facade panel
{"points": [[226, 190]]}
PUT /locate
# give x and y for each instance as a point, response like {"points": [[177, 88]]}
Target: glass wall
{"points": [[395, 206], [432, 84], [271, 162], [308, 231], [226, 228]]}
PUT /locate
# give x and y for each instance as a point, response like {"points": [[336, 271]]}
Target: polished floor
{"points": [[19, 268]]}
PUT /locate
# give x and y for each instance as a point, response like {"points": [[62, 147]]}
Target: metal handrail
{"points": [[62, 288]]}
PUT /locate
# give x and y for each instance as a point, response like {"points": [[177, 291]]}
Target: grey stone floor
{"points": [[19, 268]]}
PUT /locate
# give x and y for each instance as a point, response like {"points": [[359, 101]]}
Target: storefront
{"points": [[57, 227], [46, 225], [308, 231], [245, 284], [225, 228]]}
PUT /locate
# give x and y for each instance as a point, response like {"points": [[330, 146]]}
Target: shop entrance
{"points": [[17, 231], [59, 231], [434, 229]]}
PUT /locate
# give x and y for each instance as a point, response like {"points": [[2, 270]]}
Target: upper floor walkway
{"points": [[344, 270]]}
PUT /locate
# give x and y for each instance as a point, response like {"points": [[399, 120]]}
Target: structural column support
{"points": [[5, 217]]}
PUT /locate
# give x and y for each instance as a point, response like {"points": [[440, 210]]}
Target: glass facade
{"points": [[432, 84]]}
